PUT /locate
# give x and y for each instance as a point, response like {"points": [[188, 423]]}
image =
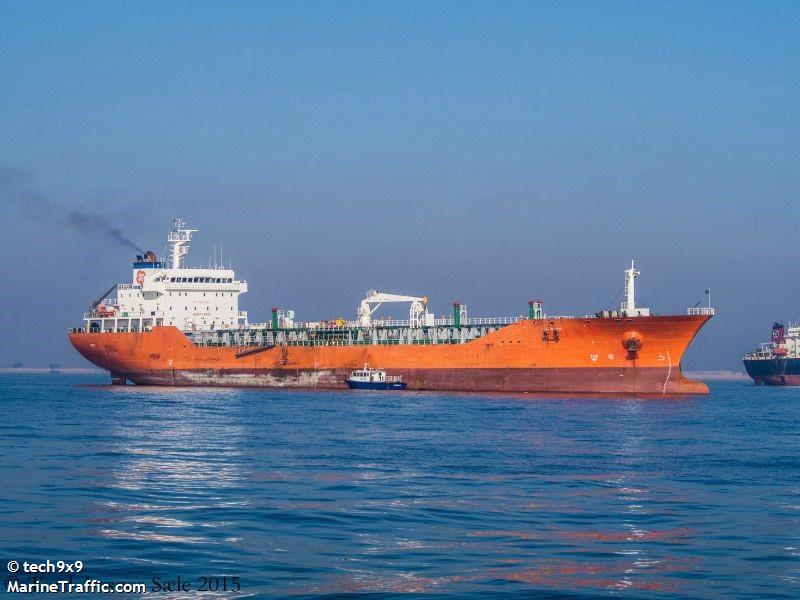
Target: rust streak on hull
{"points": [[624, 381]]}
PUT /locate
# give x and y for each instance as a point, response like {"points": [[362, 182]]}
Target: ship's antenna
{"points": [[178, 241]]}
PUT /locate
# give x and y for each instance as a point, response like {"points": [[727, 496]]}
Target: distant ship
{"points": [[776, 362], [174, 325]]}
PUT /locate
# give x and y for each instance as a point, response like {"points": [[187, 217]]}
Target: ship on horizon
{"points": [[776, 362], [180, 326]]}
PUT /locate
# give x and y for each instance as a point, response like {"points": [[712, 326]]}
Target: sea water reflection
{"points": [[310, 493], [178, 461]]}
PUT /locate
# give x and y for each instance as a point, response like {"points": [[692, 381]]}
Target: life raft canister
{"points": [[632, 341]]}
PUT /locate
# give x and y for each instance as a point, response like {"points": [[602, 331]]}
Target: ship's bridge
{"points": [[162, 293]]}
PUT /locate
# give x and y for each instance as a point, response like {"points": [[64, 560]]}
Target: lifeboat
{"points": [[105, 311]]}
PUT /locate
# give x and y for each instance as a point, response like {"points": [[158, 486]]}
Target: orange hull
{"points": [[588, 356]]}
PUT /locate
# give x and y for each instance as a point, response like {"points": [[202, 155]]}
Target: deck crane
{"points": [[99, 301], [416, 313]]}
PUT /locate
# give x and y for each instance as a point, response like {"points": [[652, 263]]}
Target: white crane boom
{"points": [[416, 312]]}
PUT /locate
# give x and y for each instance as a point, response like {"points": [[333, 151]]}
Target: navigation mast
{"points": [[179, 239]]}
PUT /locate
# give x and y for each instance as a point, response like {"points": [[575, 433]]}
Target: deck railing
{"points": [[700, 310]]}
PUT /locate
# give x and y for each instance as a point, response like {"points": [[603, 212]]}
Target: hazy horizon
{"points": [[464, 151]]}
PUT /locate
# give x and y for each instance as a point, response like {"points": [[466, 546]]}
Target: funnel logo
{"points": [[140, 277], [778, 333]]}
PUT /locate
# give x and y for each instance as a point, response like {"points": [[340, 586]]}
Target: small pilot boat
{"points": [[374, 379]]}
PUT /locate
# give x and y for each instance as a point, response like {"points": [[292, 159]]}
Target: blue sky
{"points": [[479, 151]]}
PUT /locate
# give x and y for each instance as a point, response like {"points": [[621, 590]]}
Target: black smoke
{"points": [[92, 223], [17, 190]]}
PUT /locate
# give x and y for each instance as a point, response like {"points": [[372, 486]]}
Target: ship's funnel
{"points": [[778, 333]]}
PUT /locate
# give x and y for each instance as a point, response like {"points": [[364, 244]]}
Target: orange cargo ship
{"points": [[180, 326]]}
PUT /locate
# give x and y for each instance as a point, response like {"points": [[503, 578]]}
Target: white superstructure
{"points": [[628, 306], [191, 299], [792, 341], [784, 344]]}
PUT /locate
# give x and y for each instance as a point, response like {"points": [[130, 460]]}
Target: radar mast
{"points": [[179, 239]]}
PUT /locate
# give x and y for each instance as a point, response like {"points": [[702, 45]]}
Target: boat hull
{"points": [[376, 385], [774, 371], [631, 380], [588, 356]]}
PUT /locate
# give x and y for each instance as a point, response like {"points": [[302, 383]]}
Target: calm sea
{"points": [[308, 494]]}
